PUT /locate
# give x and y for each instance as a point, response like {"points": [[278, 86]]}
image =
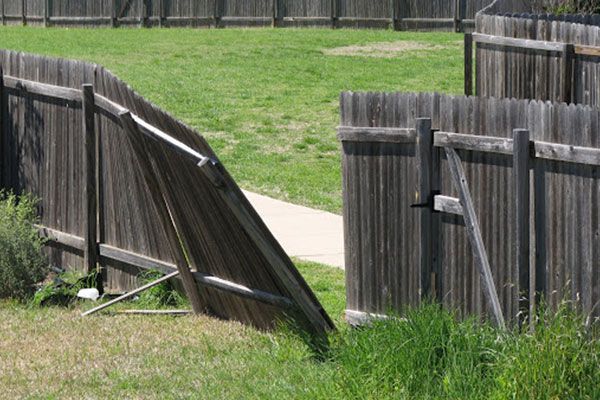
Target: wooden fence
{"points": [[126, 187], [397, 14], [526, 212], [543, 57]]}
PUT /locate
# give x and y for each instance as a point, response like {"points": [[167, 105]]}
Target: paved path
{"points": [[305, 233]]}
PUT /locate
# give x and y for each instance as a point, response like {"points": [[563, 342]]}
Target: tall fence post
{"points": [[567, 72], [24, 12], [468, 64], [3, 114], [113, 13], [218, 11], [89, 170], [161, 13], [429, 231], [457, 15], [334, 13], [46, 13], [275, 21], [521, 225]]}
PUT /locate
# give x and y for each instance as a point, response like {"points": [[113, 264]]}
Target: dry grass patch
{"points": [[382, 49]]}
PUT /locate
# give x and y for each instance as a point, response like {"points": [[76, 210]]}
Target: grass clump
{"points": [[432, 355], [22, 264], [63, 289], [164, 294]]}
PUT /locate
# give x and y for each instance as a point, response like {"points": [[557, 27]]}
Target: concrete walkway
{"points": [[305, 233]]}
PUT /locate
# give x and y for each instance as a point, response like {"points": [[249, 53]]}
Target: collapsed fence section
{"points": [[125, 187], [536, 205], [455, 15]]}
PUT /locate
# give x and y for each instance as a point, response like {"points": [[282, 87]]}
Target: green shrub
{"points": [[569, 6], [22, 263], [63, 289]]}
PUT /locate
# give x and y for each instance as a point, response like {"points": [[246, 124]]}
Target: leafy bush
{"points": [[568, 6], [63, 289], [22, 263]]}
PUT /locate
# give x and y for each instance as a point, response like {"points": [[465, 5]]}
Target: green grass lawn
{"points": [[266, 99]]}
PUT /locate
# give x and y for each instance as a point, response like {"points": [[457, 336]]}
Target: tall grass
{"points": [[432, 355]]}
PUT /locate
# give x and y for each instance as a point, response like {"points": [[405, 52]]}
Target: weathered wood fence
{"points": [[397, 14], [124, 187], [533, 56], [523, 219]]}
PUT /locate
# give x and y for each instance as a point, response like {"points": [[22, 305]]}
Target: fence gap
{"points": [[567, 57], [24, 12]]}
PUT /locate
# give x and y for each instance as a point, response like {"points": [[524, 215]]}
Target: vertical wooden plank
{"points": [[24, 12], [474, 233], [89, 170], [334, 13], [275, 21], [521, 224], [424, 200], [3, 115], [161, 13], [113, 13], [393, 14], [468, 64], [136, 140], [457, 16], [217, 12], [567, 57], [2, 12], [144, 14], [46, 13]]}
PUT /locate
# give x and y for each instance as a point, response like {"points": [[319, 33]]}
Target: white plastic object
{"points": [[90, 294]]}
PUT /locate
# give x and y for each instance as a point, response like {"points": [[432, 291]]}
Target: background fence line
{"points": [[381, 175], [455, 15]]}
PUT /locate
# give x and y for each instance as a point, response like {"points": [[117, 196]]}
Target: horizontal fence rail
{"points": [[532, 170], [125, 191], [457, 15]]}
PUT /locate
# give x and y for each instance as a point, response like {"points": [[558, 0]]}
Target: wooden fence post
{"points": [[457, 15], [521, 157], [113, 13], [89, 171], [429, 230], [24, 12], [218, 12], [567, 72], [275, 9], [334, 13], [46, 13], [3, 114], [392, 4], [2, 12], [468, 64], [144, 14], [161, 13]]}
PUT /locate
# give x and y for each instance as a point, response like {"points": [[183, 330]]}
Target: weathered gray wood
{"points": [[145, 14], [380, 135], [488, 144], [519, 43], [113, 13], [66, 239], [424, 199], [2, 13], [43, 89], [567, 72], [360, 318], [111, 253], [457, 15], [154, 312], [474, 233], [137, 143], [130, 294], [24, 12], [468, 43], [3, 116], [446, 204], [89, 170], [566, 153], [521, 223], [161, 13], [46, 12]]}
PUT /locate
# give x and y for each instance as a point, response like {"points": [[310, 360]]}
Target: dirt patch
{"points": [[381, 49]]}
